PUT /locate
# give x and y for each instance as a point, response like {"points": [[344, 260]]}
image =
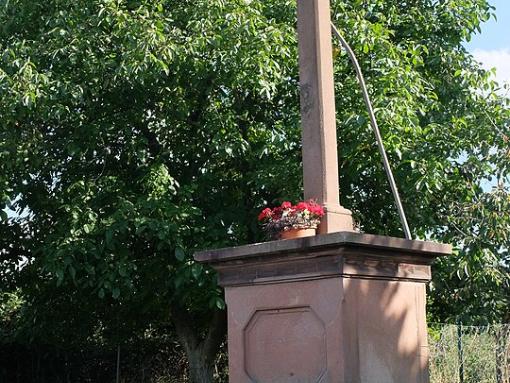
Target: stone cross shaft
{"points": [[320, 158]]}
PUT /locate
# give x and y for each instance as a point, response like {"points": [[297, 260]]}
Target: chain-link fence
{"points": [[469, 354]]}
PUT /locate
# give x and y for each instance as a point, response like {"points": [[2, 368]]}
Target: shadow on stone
{"points": [[385, 336], [342, 307]]}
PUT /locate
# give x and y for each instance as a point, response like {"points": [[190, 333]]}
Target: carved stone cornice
{"points": [[347, 254]]}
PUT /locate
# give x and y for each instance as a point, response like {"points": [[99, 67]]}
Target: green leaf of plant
{"points": [[179, 253]]}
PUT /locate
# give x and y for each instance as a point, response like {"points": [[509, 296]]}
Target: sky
{"points": [[492, 46]]}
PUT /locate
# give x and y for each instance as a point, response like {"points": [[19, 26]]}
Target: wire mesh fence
{"points": [[469, 354]]}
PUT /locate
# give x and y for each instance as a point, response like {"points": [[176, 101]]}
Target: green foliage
{"points": [[483, 358], [136, 132], [10, 306], [475, 285]]}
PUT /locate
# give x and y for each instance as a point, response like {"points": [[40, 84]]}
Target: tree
{"points": [[136, 132], [446, 131]]}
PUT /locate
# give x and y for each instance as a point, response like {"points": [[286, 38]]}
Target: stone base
{"points": [[336, 218], [342, 307]]}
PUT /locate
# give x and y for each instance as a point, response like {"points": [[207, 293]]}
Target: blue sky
{"points": [[492, 46]]}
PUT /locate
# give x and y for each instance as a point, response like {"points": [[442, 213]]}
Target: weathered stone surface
{"points": [[344, 253], [310, 244], [271, 334], [320, 158], [336, 308], [291, 343]]}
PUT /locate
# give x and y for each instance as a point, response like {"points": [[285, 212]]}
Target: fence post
{"points": [[460, 351], [117, 378], [500, 353]]}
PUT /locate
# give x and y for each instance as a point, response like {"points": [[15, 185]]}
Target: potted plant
{"points": [[291, 221]]}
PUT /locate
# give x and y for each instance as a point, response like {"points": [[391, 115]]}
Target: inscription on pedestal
{"points": [[273, 340]]}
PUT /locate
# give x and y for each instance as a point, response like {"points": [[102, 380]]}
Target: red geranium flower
{"points": [[266, 213], [315, 208], [286, 205], [301, 206], [277, 212]]}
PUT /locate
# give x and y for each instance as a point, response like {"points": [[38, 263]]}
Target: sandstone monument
{"points": [[340, 307]]}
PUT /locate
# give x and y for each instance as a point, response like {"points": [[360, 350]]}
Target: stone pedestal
{"points": [[336, 308]]}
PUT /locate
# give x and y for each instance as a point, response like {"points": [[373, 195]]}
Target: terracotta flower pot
{"points": [[297, 233]]}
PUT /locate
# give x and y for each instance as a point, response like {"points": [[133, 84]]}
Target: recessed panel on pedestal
{"points": [[285, 345]]}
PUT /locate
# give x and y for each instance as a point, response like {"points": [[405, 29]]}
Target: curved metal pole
{"points": [[377, 133]]}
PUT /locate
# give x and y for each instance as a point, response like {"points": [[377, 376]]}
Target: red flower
{"points": [[316, 209], [277, 212], [266, 213], [286, 205], [302, 206]]}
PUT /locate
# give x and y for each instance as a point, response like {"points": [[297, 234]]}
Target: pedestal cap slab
{"points": [[346, 254]]}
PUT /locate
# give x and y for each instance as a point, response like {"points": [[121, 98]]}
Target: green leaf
{"points": [[196, 270], [60, 276], [122, 271], [220, 303], [179, 253], [109, 238], [72, 272]]}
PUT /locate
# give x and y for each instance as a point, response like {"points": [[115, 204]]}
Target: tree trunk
{"points": [[200, 370], [201, 352]]}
